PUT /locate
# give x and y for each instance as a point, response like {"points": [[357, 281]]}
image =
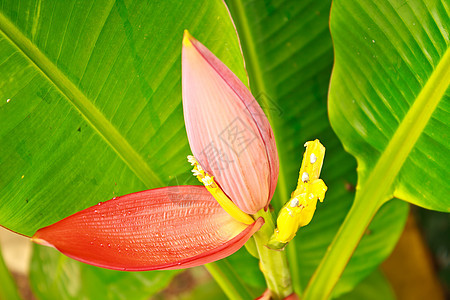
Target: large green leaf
{"points": [[389, 96], [90, 102], [288, 53], [389, 103], [94, 105]]}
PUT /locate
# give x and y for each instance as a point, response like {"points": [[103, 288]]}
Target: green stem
{"points": [[273, 263], [341, 249], [228, 280]]}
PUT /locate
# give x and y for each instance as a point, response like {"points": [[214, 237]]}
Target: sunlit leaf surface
{"points": [[91, 101], [389, 95]]}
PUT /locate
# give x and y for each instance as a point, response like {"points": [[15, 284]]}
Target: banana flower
{"points": [[234, 156]]}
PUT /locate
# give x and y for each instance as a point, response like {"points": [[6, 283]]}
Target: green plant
{"points": [[91, 109]]}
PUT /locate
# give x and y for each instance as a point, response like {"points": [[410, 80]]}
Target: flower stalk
{"points": [[273, 263]]}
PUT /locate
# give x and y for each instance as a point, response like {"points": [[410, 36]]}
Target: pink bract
{"points": [[228, 132]]}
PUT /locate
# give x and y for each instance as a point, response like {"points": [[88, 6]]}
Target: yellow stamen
{"points": [[218, 194], [299, 210]]}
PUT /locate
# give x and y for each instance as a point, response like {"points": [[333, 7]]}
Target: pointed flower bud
{"points": [[228, 132]]}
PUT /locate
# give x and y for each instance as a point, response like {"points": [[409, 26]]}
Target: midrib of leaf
{"points": [[86, 108], [380, 185], [255, 71], [408, 132]]}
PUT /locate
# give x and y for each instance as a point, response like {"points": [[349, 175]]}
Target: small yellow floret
{"points": [[218, 194], [299, 210]]}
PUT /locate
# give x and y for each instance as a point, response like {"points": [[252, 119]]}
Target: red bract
{"points": [[166, 228], [184, 226]]}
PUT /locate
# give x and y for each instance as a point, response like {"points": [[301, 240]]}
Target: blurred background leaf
{"points": [[8, 289], [205, 289], [55, 276], [411, 268], [373, 287], [435, 227]]}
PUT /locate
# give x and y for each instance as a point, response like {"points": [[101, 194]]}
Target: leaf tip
{"points": [[38, 240]]}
